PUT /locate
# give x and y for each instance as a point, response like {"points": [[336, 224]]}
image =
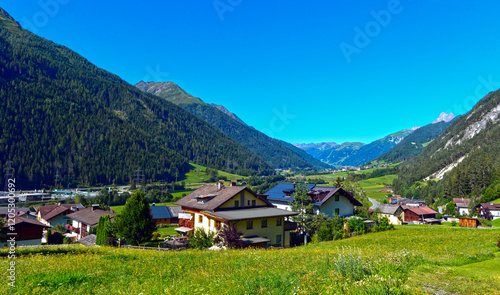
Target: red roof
{"points": [[421, 210], [491, 206]]}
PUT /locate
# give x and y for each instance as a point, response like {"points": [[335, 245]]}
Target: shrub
{"points": [[54, 237], [111, 242], [67, 240], [484, 222], [202, 239], [453, 223], [156, 236], [229, 236]]}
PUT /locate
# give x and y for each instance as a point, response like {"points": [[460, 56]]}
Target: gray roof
{"points": [[277, 192], [5, 210], [388, 209], [213, 197], [160, 212], [88, 240], [254, 240], [254, 213], [174, 211]]}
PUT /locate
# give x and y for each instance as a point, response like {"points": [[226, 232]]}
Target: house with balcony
{"points": [[86, 218], [261, 223], [462, 205], [328, 200]]}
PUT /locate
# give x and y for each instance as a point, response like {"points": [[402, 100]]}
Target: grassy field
{"points": [[409, 260], [194, 177], [497, 201], [118, 209]]}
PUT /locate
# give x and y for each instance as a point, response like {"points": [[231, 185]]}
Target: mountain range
{"points": [[354, 153], [67, 121], [276, 153]]}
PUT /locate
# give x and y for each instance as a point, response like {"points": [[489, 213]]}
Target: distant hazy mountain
{"points": [[354, 153], [415, 143], [275, 152], [443, 117]]}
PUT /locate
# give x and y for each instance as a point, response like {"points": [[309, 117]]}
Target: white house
{"points": [[492, 207], [327, 200], [51, 215], [84, 219], [393, 212], [462, 205]]}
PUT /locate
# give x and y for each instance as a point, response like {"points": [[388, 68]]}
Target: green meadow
{"points": [[409, 260], [197, 175]]}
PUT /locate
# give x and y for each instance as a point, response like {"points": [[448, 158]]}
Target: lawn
{"points": [[409, 260], [118, 209], [497, 201]]}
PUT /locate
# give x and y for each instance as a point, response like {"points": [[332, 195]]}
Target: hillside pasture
{"points": [[409, 260]]}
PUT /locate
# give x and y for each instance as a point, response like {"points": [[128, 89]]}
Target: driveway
{"points": [[375, 203]]}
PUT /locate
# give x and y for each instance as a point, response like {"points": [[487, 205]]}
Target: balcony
{"points": [[290, 225]]}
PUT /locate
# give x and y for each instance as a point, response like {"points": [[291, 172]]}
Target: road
{"points": [[375, 203]]}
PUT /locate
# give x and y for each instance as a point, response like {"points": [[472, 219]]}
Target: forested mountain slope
{"points": [[469, 150], [275, 152], [61, 115]]}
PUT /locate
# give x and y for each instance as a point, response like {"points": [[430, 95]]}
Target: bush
{"points": [[67, 240], [156, 236], [453, 223], [111, 242], [484, 222], [54, 237], [202, 239]]}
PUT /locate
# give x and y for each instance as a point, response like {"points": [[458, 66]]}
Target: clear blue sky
{"points": [[346, 70]]}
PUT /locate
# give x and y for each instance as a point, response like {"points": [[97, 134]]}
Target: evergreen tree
{"points": [[103, 230], [304, 206], [135, 224]]}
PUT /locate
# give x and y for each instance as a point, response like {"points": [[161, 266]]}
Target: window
{"points": [[236, 203], [217, 224], [248, 203], [337, 211], [278, 239], [249, 224], [278, 222], [264, 223], [337, 197], [200, 218], [253, 203]]}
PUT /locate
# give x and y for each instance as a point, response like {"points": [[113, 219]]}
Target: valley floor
{"points": [[409, 260]]}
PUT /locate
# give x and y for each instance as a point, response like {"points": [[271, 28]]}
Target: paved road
{"points": [[375, 203]]}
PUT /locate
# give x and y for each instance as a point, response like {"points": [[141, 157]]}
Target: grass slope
{"points": [[409, 260]]}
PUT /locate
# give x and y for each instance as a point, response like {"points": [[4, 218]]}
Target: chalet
{"points": [[493, 208], [52, 215], [462, 205], [419, 215], [84, 219], [28, 231], [327, 200], [212, 206], [394, 213]]}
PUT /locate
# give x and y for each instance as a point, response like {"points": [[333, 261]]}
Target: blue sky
{"points": [[302, 72]]}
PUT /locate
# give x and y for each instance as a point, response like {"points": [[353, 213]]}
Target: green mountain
{"points": [[414, 143], [354, 153], [63, 116], [275, 152], [463, 161]]}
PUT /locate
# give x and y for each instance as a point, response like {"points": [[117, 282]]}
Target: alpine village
{"points": [[113, 188]]}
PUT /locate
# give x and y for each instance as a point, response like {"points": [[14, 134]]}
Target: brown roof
{"points": [[491, 206], [214, 197], [51, 211], [89, 217], [326, 192], [461, 202], [19, 220]]}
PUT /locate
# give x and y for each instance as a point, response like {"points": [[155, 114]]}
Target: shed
{"points": [[468, 222]]}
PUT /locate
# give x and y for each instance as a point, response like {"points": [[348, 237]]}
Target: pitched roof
{"points": [[88, 240], [321, 194], [46, 211], [174, 211], [89, 217], [19, 210], [160, 212], [461, 202], [213, 197], [421, 210], [491, 206], [326, 192], [388, 209], [277, 193], [19, 220], [253, 213]]}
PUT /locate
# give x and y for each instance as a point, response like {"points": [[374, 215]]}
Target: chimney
{"points": [[94, 207], [233, 182], [220, 184]]}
